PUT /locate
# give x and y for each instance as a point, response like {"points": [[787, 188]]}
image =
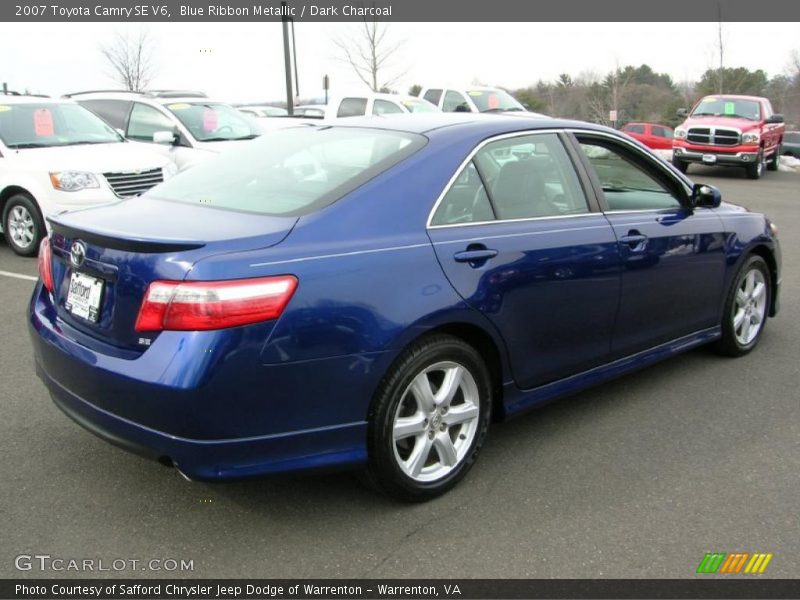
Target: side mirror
{"points": [[776, 118], [682, 112], [706, 196], [165, 137]]}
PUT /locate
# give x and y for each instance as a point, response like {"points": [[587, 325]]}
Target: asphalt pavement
{"points": [[639, 477]]}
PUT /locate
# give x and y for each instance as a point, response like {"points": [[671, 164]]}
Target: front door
{"points": [[673, 256]]}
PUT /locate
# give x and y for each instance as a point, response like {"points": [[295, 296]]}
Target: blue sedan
{"points": [[371, 295]]}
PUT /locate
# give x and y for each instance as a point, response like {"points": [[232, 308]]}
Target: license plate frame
{"points": [[85, 296]]}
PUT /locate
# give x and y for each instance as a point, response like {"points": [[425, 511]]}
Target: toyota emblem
{"points": [[77, 253]]}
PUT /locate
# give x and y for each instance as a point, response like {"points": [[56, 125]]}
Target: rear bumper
{"points": [[207, 436], [729, 158]]}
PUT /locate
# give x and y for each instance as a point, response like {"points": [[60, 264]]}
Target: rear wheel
{"points": [[680, 165], [428, 420], [756, 170], [23, 225], [746, 308]]}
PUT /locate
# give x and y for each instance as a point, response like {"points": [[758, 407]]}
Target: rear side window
{"points": [[292, 171], [145, 121], [521, 177], [433, 96], [113, 112], [633, 128], [352, 107]]}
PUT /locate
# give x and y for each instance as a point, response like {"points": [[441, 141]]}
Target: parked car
{"points": [[368, 295], [472, 100], [186, 127], [356, 105], [728, 130], [652, 135], [262, 110], [791, 143], [55, 156]]}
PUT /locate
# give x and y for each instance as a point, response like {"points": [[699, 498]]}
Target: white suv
{"points": [[358, 105], [476, 99], [187, 127], [54, 156]]}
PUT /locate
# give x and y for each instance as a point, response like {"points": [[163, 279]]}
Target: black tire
{"points": [[730, 343], [23, 203], [384, 471], [774, 162], [682, 166], [756, 170]]}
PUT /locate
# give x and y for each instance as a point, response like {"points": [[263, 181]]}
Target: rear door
{"points": [[673, 256], [523, 243]]}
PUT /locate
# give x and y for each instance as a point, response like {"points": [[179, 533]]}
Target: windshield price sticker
{"points": [[43, 123], [730, 108]]}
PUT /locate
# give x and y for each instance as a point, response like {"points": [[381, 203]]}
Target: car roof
{"points": [[15, 99], [123, 95], [429, 124], [733, 96]]}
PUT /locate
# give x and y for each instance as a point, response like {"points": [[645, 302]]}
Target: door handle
{"points": [[635, 239], [475, 254]]}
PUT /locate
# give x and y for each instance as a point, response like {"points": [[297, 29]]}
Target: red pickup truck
{"points": [[726, 130]]}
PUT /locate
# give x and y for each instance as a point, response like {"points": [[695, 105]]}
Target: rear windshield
{"points": [[292, 171]]}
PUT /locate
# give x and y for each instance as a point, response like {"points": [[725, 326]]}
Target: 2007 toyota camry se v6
{"points": [[370, 295]]}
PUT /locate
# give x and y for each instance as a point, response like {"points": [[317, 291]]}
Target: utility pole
{"points": [[721, 46], [287, 60]]}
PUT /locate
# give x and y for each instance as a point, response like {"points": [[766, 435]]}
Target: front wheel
{"points": [[23, 225], [775, 161], [428, 420], [746, 308], [680, 165], [756, 170]]}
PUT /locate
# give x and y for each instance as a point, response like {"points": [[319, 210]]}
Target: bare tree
{"points": [[130, 57], [369, 52]]}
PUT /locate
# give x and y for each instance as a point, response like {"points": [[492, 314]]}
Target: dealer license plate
{"points": [[709, 158], [84, 296]]}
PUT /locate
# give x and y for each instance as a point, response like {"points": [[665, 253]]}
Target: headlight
{"points": [[752, 137], [680, 133], [73, 181]]}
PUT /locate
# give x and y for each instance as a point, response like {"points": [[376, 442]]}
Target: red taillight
{"points": [[46, 264], [202, 305]]}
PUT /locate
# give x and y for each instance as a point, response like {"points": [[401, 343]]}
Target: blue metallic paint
{"points": [[295, 393]]}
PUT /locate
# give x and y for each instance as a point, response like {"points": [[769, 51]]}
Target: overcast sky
{"points": [[244, 61]]}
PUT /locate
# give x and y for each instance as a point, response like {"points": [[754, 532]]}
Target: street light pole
{"points": [[287, 61]]}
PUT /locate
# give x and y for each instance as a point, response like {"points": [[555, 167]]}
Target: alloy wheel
{"points": [[749, 307], [21, 226], [436, 421]]}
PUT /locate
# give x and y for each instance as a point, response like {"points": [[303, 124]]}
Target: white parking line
{"points": [[18, 276]]}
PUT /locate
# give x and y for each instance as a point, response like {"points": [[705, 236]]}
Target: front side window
{"points": [[145, 121], [43, 125], [626, 183], [213, 122], [384, 107], [352, 107], [663, 132], [521, 177], [292, 171], [455, 102]]}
